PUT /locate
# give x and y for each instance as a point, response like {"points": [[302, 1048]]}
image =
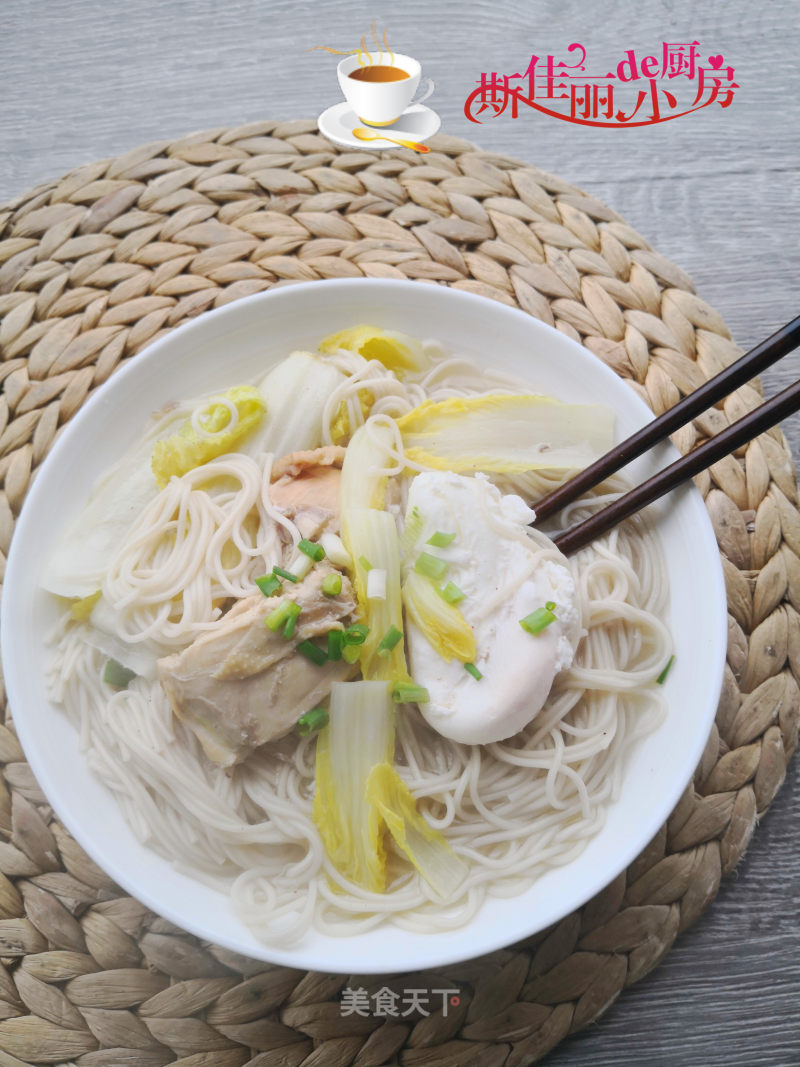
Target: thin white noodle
{"points": [[200, 415]]}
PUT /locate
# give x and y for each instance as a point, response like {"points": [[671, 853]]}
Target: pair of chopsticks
{"points": [[739, 433]]}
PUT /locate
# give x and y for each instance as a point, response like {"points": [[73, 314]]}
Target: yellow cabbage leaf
{"points": [[396, 351], [506, 433], [341, 427], [298, 389], [371, 536], [187, 449], [425, 847], [82, 609], [442, 624], [351, 829]]}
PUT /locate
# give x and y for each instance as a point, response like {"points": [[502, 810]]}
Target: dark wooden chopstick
{"points": [[745, 368], [742, 431]]}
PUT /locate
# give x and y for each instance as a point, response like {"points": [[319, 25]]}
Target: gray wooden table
{"points": [[717, 192]]}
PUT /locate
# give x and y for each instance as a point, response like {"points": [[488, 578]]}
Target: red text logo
{"points": [[638, 92]]}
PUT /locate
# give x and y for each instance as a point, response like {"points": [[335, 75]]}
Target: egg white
{"points": [[492, 561]]}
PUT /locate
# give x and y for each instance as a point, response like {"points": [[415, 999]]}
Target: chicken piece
{"points": [[240, 684], [306, 488], [296, 464]]}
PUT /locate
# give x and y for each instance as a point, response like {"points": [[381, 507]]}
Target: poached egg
{"points": [[504, 578]]}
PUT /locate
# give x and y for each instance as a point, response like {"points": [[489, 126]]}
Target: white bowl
{"points": [[236, 343]]}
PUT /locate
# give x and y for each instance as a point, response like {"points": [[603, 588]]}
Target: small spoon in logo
{"points": [[364, 134]]}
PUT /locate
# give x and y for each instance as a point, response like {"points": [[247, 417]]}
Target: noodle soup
{"points": [[256, 334], [258, 573]]}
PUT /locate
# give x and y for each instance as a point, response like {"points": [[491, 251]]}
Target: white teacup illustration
{"points": [[380, 91]]}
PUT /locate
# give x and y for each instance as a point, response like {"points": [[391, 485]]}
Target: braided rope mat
{"points": [[99, 264]]}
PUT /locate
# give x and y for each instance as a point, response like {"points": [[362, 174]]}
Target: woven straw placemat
{"points": [[99, 264]]}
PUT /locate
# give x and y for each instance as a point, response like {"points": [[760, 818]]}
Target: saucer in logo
{"points": [[417, 123]]}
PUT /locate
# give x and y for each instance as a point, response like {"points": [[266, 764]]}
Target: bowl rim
{"points": [[14, 586]]}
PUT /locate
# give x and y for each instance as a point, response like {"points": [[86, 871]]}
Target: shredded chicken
{"points": [[306, 488], [240, 685]]}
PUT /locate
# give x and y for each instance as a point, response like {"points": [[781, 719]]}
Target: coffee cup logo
{"points": [[383, 94], [379, 92]]}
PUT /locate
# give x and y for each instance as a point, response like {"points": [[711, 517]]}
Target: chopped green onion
{"points": [[430, 566], [470, 668], [316, 552], [291, 621], [351, 653], [334, 644], [440, 540], [408, 692], [279, 616], [332, 584], [355, 634], [365, 563], [268, 584], [285, 574], [551, 605], [335, 550], [312, 721], [301, 564], [312, 652], [389, 640], [451, 593], [376, 584], [663, 676], [538, 620], [117, 675]]}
